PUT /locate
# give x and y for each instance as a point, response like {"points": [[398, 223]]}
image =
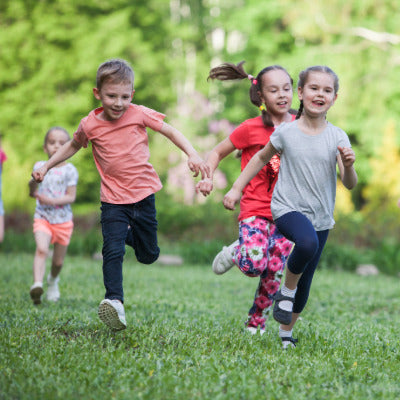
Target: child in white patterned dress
{"points": [[53, 222]]}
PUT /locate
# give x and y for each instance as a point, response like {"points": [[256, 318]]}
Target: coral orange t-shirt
{"points": [[121, 153], [250, 137]]}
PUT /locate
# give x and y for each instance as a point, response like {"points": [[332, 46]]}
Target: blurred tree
{"points": [[50, 51]]}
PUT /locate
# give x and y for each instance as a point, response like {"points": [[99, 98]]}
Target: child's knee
{"points": [[248, 267], [148, 258]]}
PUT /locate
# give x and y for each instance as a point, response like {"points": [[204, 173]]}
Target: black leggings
{"points": [[308, 246]]}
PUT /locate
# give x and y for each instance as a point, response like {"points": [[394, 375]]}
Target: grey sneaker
{"points": [[53, 293], [223, 260], [112, 313], [36, 292], [280, 315]]}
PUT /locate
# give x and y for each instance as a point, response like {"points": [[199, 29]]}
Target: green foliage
{"points": [[185, 338], [387, 256], [346, 257], [50, 51]]}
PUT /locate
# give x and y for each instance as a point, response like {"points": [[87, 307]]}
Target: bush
{"points": [[387, 256], [341, 256]]}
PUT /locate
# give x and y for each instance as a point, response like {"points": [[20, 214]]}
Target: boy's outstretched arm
{"points": [[254, 166], [195, 162], [68, 198], [63, 153], [219, 152]]}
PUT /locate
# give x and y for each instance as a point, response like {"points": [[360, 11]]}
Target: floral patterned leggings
{"points": [[262, 251]]}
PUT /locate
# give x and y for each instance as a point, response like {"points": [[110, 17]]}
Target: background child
{"points": [[117, 131], [3, 158], [53, 216], [261, 250], [304, 196]]}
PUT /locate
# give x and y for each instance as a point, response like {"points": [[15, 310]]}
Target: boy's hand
{"points": [[197, 164], [348, 156], [231, 198], [38, 175], [205, 186]]}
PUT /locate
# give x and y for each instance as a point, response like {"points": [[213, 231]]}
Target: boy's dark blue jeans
{"points": [[131, 224]]}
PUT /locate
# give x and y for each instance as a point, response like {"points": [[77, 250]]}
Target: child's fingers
{"points": [[194, 168], [229, 202]]}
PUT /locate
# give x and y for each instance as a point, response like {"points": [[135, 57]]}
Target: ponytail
{"points": [[299, 112], [228, 71]]}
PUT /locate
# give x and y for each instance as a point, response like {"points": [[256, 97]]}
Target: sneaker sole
{"points": [[109, 316], [36, 294]]}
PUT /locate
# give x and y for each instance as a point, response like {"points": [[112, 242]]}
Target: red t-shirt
{"points": [[250, 137]]}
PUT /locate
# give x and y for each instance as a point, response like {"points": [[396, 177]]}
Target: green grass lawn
{"points": [[185, 338]]}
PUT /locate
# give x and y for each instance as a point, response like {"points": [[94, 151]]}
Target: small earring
{"points": [[262, 108]]}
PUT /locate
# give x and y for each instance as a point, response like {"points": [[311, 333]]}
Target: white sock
{"points": [[51, 279], [283, 333], [288, 292]]}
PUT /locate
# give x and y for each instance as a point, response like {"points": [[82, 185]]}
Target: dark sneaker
{"points": [[280, 315], [36, 292]]}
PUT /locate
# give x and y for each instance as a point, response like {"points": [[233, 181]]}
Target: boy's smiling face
{"points": [[115, 99]]}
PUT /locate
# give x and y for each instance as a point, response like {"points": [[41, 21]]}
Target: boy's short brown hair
{"points": [[114, 70]]}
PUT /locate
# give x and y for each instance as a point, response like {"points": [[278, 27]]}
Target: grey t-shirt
{"points": [[307, 174]]}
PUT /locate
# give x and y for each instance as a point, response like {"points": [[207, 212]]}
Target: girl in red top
{"points": [[261, 250]]}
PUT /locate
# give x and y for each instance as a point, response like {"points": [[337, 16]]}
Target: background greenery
{"points": [[50, 51]]}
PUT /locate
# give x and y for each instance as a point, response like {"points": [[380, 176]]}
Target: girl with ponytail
{"points": [[261, 251]]}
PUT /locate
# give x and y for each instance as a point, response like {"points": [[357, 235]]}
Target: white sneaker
{"points": [[254, 330], [53, 293], [36, 292], [223, 260], [112, 313]]}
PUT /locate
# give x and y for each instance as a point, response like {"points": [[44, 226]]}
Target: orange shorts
{"points": [[60, 233]]}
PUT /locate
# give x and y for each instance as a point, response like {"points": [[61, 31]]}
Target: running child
{"points": [[304, 197], [261, 250], [52, 221], [117, 131]]}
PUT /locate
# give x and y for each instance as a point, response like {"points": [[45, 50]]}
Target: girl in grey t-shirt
{"points": [[304, 197]]}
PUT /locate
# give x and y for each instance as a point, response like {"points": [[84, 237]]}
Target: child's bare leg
{"points": [[42, 249], [58, 259], [291, 279], [53, 292], [289, 327]]}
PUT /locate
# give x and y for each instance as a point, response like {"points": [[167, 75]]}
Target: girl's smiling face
{"points": [[277, 92], [318, 93], [115, 99]]}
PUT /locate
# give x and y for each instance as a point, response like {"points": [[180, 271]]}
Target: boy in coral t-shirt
{"points": [[117, 131]]}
